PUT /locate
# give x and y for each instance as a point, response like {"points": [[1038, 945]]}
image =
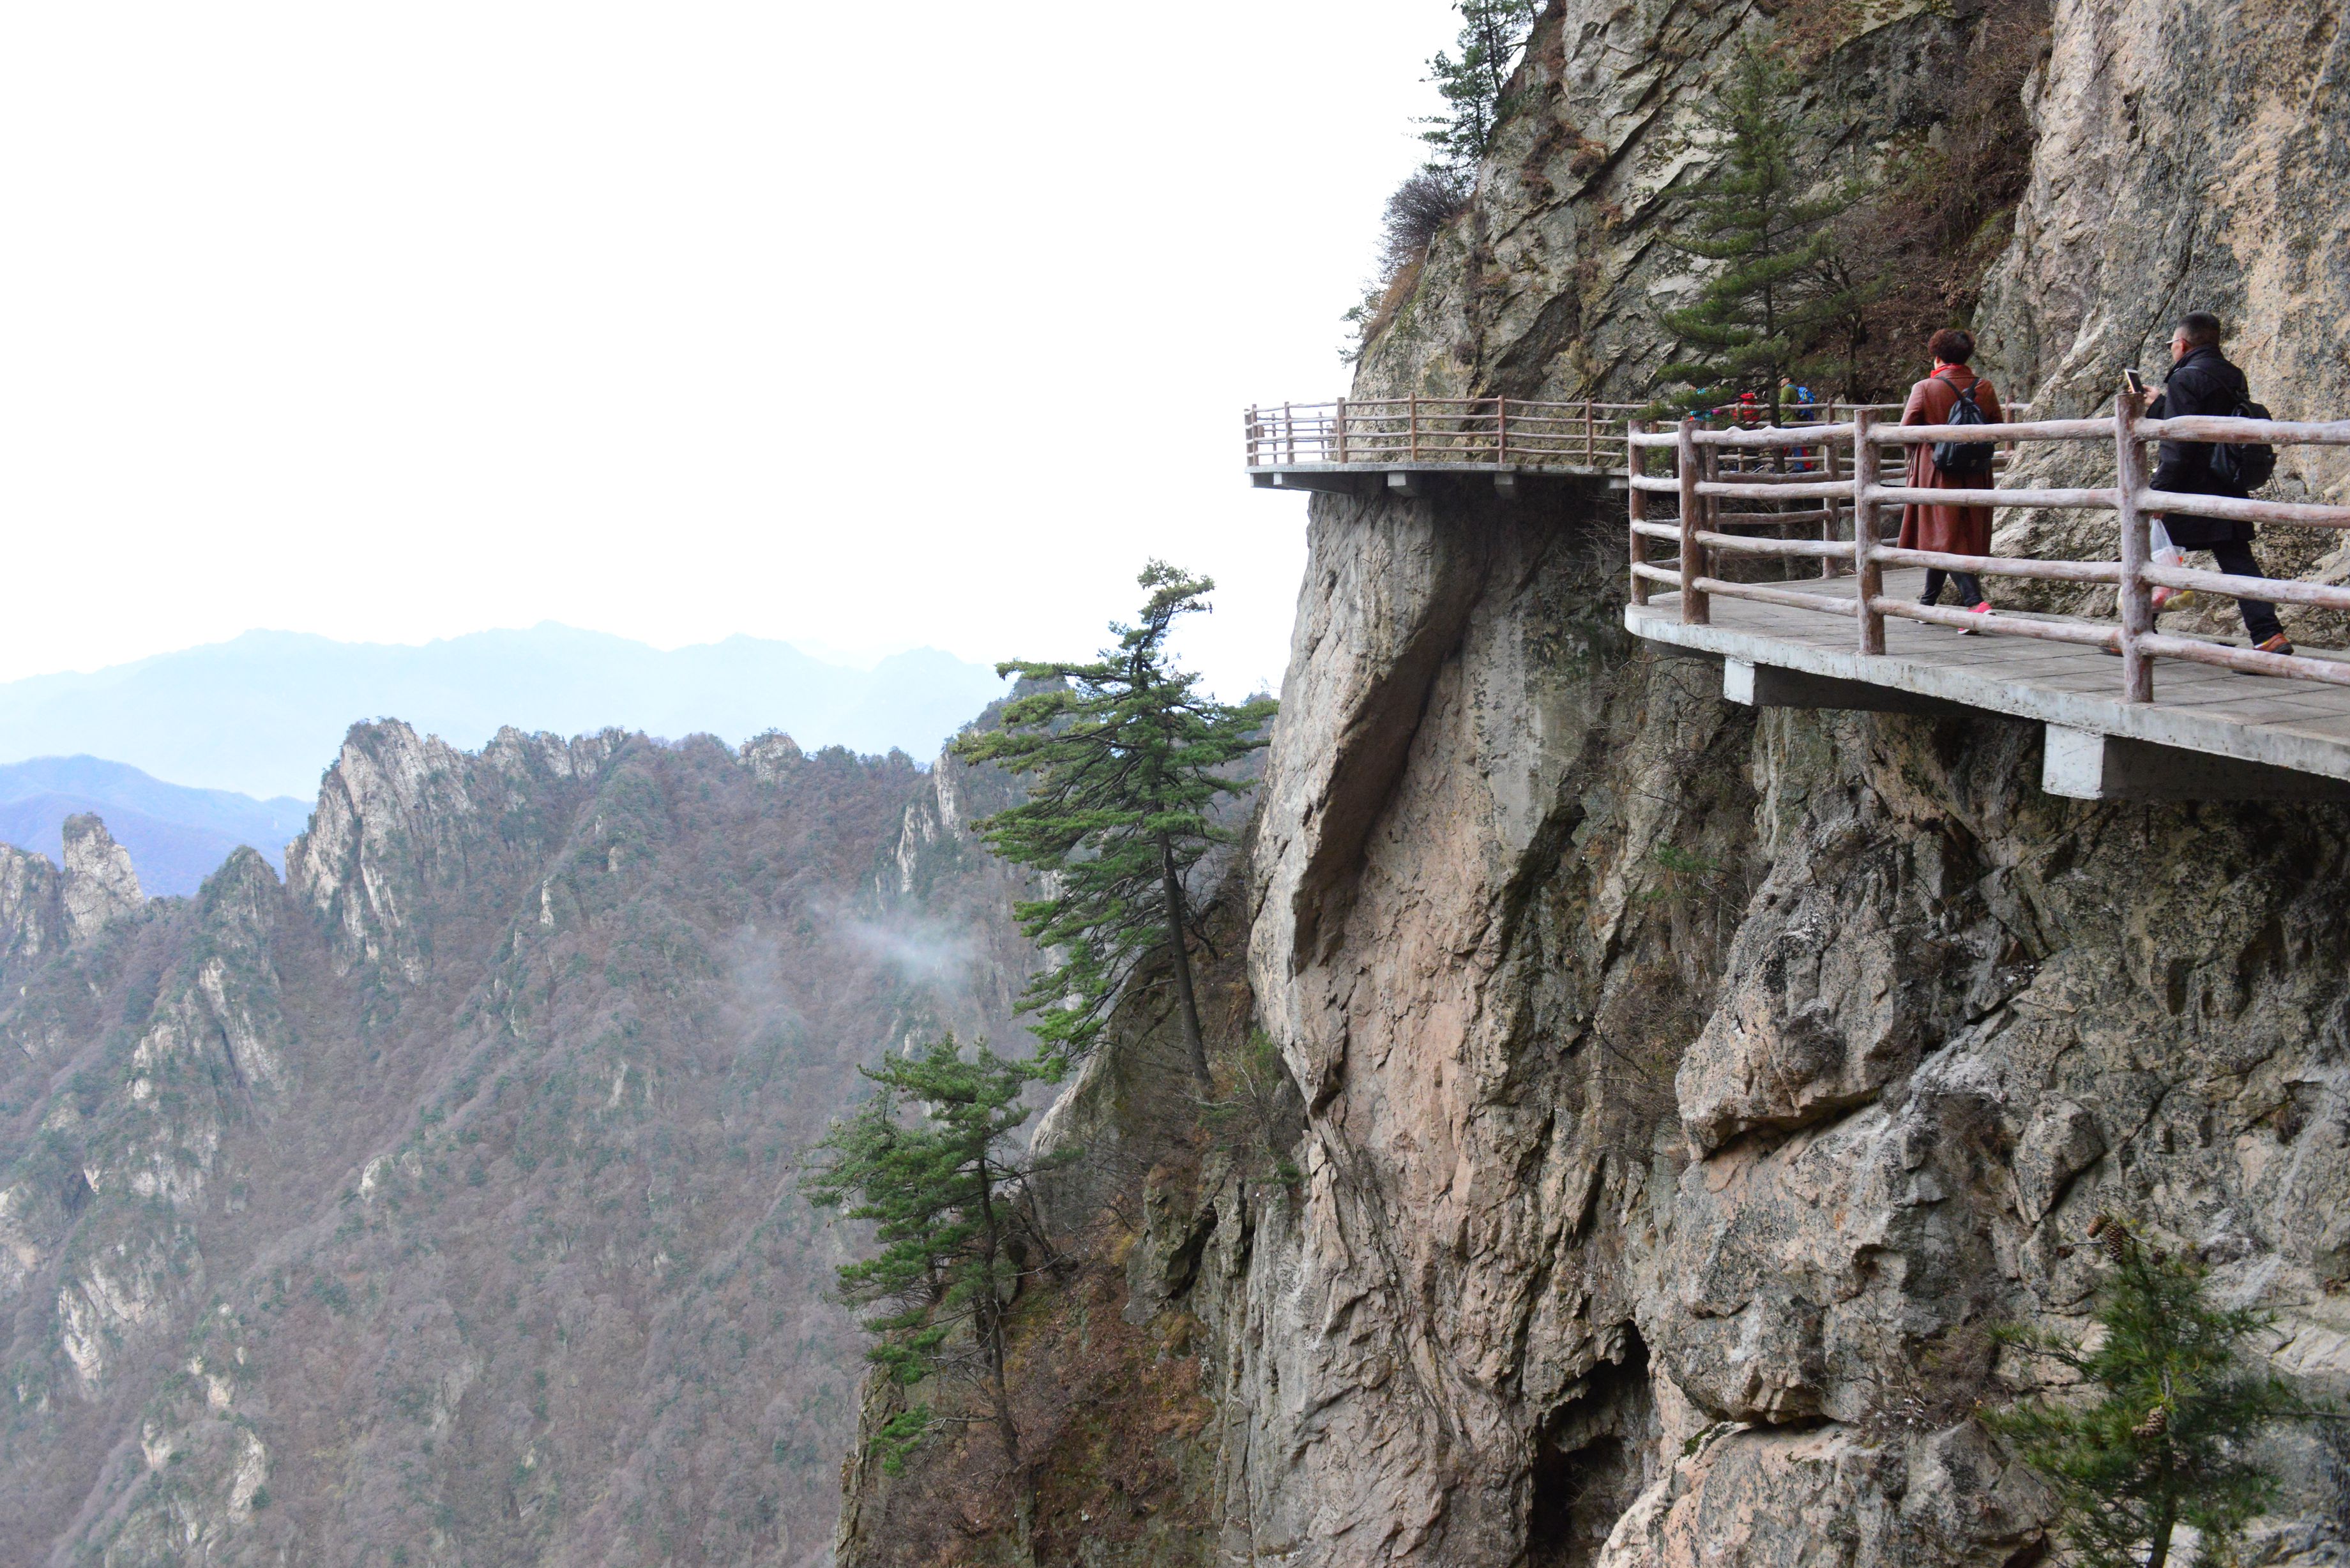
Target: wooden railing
{"points": [[1505, 431], [1508, 432], [1858, 455]]}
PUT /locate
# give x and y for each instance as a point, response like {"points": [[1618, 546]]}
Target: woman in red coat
{"points": [[1953, 530]]}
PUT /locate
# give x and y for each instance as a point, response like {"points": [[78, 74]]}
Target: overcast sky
{"points": [[859, 327]]}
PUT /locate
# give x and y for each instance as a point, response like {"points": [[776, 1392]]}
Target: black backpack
{"points": [[1965, 456], [2245, 468]]}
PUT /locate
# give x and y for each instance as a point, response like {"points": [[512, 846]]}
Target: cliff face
{"points": [[1552, 285], [2189, 156], [432, 1206], [1684, 1097], [1688, 1095], [1669, 1069]]}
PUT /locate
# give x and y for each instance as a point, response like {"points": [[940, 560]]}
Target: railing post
{"points": [[1339, 430], [2136, 603], [1413, 415], [1502, 431], [1255, 433], [1828, 469], [1289, 432], [1590, 435], [1868, 578], [1636, 507], [1695, 610]]}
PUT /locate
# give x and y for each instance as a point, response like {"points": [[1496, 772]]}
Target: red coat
{"points": [[1956, 530]]}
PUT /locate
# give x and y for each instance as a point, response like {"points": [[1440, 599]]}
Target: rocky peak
{"points": [[30, 917], [485, 1115], [771, 755], [100, 886], [401, 814]]}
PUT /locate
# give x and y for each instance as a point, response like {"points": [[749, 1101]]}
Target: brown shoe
{"points": [[2276, 644]]}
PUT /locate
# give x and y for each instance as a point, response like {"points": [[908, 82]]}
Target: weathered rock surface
{"points": [[100, 886], [1553, 285], [2190, 156], [1776, 1060], [1751, 1498], [30, 914], [1688, 1094]]}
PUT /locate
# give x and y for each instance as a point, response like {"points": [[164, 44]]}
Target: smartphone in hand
{"points": [[2136, 382]]}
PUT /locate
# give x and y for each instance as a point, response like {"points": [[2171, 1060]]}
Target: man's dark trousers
{"points": [[2235, 559]]}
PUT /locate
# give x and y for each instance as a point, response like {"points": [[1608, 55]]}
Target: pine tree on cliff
{"points": [[2164, 1437], [1475, 83], [1773, 304], [1126, 760], [930, 1160]]}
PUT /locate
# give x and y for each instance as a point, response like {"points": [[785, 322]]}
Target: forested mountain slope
{"points": [[433, 1205]]}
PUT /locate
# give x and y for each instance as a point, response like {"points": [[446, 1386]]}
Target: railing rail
{"points": [[1507, 431], [1855, 457], [1585, 437]]}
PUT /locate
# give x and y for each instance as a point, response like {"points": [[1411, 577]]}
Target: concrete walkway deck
{"points": [[2210, 734]]}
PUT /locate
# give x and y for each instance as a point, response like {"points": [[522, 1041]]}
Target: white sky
{"points": [[861, 326]]}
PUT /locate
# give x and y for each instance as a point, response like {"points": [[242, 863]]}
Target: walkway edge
{"points": [[2188, 729]]}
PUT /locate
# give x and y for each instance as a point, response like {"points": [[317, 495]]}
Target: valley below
{"points": [[433, 1203]]}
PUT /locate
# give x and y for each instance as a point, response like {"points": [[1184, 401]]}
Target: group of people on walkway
{"points": [[2201, 382]]}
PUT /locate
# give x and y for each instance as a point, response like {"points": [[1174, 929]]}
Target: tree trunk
{"points": [[990, 1324], [2158, 1550], [1178, 945]]}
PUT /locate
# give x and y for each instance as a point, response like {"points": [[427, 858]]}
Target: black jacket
{"points": [[2201, 383]]}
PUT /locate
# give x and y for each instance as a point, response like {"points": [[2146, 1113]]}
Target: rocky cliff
{"points": [[1682, 1098], [432, 1206]]}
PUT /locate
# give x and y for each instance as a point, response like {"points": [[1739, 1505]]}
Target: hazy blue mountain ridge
{"points": [[177, 836], [265, 712]]}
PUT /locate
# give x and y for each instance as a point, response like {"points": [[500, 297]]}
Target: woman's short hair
{"points": [[1951, 345]]}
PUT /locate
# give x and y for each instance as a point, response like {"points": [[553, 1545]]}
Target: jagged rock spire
{"points": [[101, 886], [29, 904]]}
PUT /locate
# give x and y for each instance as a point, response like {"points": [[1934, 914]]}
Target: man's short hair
{"points": [[1951, 345], [2200, 329]]}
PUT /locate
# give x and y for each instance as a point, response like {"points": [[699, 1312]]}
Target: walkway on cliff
{"points": [[2209, 734], [1780, 565]]}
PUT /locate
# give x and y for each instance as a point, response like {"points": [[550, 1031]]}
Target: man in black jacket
{"points": [[2203, 382]]}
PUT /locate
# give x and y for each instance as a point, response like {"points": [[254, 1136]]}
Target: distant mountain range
{"points": [[264, 713], [177, 836]]}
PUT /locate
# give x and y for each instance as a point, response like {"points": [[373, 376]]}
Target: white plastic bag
{"points": [[2164, 554]]}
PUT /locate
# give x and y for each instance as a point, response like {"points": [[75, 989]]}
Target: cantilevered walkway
{"points": [[1767, 548], [1362, 446]]}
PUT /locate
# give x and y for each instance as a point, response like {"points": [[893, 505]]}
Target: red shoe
{"points": [[1983, 608], [2276, 644]]}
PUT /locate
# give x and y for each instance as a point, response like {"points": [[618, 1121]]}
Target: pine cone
{"points": [[2116, 1242], [2097, 1226], [2157, 1422]]}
